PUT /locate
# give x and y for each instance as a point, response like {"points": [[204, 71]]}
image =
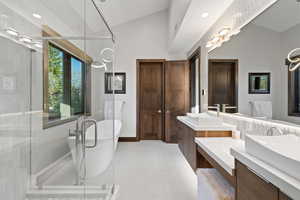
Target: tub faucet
{"points": [[271, 133], [216, 107], [77, 131]]}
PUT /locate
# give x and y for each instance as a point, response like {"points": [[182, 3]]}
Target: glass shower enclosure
{"points": [[58, 131]]}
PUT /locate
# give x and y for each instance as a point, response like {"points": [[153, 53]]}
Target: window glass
{"points": [[55, 82], [64, 86], [77, 75]]}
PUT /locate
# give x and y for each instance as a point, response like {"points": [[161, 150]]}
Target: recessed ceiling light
{"points": [[37, 16], [204, 15], [11, 31]]}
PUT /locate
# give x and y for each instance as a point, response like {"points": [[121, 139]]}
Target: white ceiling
{"points": [[281, 16], [122, 11], [193, 26], [70, 13]]}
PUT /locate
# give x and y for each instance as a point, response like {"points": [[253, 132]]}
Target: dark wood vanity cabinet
{"points": [[186, 141], [282, 196], [250, 186], [186, 144]]}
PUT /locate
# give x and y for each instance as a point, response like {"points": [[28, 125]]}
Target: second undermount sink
{"points": [[204, 119], [281, 152]]}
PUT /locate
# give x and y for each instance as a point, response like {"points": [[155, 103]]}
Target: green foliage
{"points": [[55, 81]]}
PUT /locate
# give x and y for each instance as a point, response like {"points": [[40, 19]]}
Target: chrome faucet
{"points": [[271, 133], [226, 107], [216, 107]]}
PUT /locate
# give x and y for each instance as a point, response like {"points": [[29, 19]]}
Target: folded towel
{"points": [[261, 109], [116, 105], [213, 186]]}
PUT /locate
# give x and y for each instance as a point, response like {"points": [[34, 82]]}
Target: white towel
{"points": [[108, 109], [261, 109], [213, 186]]}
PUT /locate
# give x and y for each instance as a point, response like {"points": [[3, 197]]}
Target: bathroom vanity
{"points": [[187, 132], [249, 185]]}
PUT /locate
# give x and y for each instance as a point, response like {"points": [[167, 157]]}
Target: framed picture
{"points": [[118, 82], [259, 83]]}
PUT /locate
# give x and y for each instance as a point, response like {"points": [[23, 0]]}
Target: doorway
{"points": [[162, 95], [150, 99], [195, 82], [223, 84]]}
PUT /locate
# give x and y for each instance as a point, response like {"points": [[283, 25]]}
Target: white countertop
{"points": [[224, 127], [219, 150], [287, 184]]}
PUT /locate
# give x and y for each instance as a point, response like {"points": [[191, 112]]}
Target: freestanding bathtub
{"points": [[98, 159]]}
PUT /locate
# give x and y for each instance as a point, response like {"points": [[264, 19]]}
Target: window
{"points": [[259, 83], [64, 86], [293, 92]]}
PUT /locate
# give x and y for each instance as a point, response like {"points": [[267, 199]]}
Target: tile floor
{"points": [[147, 170]]}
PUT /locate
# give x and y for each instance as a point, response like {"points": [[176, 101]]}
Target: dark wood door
{"points": [[223, 83], [176, 96], [151, 100]]}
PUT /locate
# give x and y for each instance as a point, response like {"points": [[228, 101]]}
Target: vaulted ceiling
{"points": [[68, 16], [282, 16], [122, 11]]}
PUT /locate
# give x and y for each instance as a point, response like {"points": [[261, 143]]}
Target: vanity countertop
{"points": [[219, 150], [286, 183], [223, 127]]}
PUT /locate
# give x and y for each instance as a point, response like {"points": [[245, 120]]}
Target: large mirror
{"points": [[249, 74]]}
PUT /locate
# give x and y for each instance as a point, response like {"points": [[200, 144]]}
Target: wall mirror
{"points": [[254, 61]]}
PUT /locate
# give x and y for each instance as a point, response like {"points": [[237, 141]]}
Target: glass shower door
{"points": [[52, 86]]}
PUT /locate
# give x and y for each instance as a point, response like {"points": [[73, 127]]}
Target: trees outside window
{"points": [[66, 78]]}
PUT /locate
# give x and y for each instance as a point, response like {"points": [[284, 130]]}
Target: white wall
{"points": [[257, 50], [145, 38]]}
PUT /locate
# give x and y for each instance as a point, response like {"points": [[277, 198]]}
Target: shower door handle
{"points": [[96, 133]]}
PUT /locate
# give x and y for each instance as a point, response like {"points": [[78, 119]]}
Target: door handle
{"points": [[159, 111], [84, 133]]}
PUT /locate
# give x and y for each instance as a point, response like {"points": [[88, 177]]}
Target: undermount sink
{"points": [[204, 119], [281, 152]]}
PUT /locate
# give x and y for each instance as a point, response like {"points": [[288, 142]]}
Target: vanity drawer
{"points": [[250, 186]]}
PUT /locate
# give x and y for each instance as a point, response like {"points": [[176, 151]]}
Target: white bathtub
{"points": [[99, 158]]}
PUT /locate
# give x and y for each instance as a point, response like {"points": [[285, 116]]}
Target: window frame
{"points": [[68, 47]]}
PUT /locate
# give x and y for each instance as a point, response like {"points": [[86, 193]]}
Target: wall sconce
{"points": [[293, 60]]}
